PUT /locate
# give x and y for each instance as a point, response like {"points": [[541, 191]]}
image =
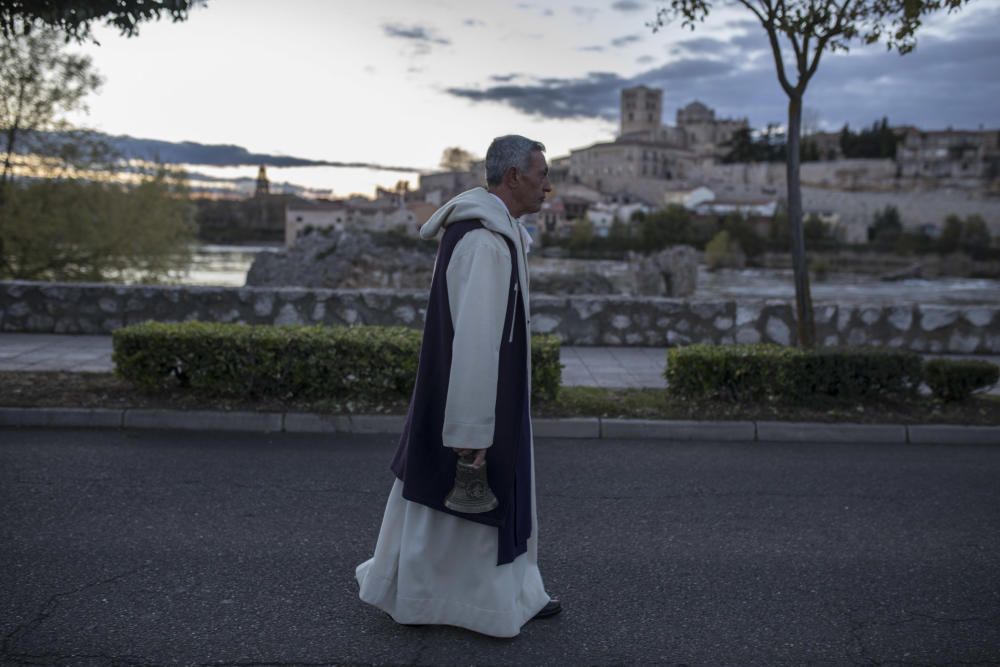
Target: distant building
{"points": [[422, 211], [950, 155], [747, 208], [648, 156], [305, 215], [827, 144], [604, 215], [552, 218], [609, 165], [439, 187], [703, 132]]}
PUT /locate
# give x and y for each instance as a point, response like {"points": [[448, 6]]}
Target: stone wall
{"points": [[854, 189], [579, 320]]}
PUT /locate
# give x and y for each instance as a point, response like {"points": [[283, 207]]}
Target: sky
{"points": [[392, 83]]}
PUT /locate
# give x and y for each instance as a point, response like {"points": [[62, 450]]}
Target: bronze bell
{"points": [[472, 493]]}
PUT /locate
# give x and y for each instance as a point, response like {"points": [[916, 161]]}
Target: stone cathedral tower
{"points": [[642, 109]]}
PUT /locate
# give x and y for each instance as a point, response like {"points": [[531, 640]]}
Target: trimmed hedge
{"points": [[753, 373], [365, 363], [955, 380], [743, 373], [854, 373], [546, 369]]}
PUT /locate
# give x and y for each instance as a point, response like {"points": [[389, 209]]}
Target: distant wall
{"points": [[77, 308], [856, 190]]}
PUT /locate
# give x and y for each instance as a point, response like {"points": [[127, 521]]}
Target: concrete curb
{"points": [[207, 420], [571, 427], [581, 428], [61, 417], [676, 430], [816, 432], [958, 435]]}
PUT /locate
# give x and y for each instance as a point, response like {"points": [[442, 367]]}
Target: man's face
{"points": [[534, 184]]}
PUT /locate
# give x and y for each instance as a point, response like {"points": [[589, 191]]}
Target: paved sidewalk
{"points": [[584, 366], [607, 367], [55, 352]]}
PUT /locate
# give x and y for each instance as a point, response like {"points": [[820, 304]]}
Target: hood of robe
{"points": [[478, 204], [474, 204]]}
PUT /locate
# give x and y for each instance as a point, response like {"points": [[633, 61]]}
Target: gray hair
{"points": [[511, 150]]}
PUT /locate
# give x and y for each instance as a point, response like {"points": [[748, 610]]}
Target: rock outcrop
{"points": [[347, 259], [671, 272]]}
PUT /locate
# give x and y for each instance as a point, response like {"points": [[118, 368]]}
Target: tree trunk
{"points": [[803, 297]]}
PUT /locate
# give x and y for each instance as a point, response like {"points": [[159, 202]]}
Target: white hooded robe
{"points": [[432, 568]]}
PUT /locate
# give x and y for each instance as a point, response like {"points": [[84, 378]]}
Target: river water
{"points": [[225, 265]]}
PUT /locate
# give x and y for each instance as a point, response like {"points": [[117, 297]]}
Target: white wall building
{"points": [[303, 215]]}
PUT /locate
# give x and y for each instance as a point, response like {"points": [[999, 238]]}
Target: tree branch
{"points": [[836, 30], [756, 12], [768, 23]]}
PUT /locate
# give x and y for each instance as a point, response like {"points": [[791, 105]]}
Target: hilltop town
{"points": [[696, 163]]}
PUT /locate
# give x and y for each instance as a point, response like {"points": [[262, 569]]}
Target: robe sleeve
{"points": [[478, 281]]}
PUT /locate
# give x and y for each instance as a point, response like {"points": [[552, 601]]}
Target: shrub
{"points": [[365, 363], [745, 373], [724, 251], [853, 373], [820, 267], [753, 373], [546, 369], [956, 380]]}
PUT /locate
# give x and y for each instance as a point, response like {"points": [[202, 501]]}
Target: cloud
{"points": [[743, 24], [595, 95], [617, 43], [754, 39], [219, 155], [703, 45], [950, 79], [628, 5], [586, 13], [625, 40], [530, 7], [688, 68], [415, 33]]}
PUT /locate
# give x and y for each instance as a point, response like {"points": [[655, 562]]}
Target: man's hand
{"points": [[480, 455]]}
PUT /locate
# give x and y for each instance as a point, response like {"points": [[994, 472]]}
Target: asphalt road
{"points": [[157, 548]]}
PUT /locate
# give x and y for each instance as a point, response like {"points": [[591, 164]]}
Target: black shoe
{"points": [[551, 608]]}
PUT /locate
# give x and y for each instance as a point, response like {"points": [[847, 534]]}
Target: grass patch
{"points": [[660, 404], [103, 390]]}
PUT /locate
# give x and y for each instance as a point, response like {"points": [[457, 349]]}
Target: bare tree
{"points": [[810, 28], [39, 84], [30, 26], [456, 158]]}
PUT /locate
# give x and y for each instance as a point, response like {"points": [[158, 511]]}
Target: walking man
{"points": [[433, 565]]}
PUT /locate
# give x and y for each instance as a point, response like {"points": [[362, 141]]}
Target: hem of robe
{"points": [[415, 587]]}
